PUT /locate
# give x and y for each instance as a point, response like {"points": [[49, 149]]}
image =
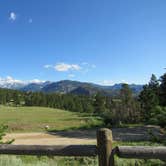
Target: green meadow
{"points": [[34, 119]]}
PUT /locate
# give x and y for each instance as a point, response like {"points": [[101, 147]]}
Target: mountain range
{"points": [[66, 86]]}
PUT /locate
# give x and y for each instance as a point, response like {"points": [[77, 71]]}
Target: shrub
{"points": [[158, 116], [3, 129]]}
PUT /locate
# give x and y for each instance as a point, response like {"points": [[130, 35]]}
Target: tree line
{"points": [[54, 100]]}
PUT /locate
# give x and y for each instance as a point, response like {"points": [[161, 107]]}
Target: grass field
{"points": [[34, 119]]}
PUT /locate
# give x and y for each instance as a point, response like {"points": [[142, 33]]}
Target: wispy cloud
{"points": [[12, 16], [88, 65], [64, 67]]}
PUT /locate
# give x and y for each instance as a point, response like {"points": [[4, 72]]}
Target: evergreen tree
{"points": [[129, 106], [126, 94], [149, 97], [99, 103], [162, 91]]}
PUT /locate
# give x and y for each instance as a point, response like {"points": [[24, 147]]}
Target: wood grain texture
{"points": [[104, 145], [73, 150], [142, 152]]}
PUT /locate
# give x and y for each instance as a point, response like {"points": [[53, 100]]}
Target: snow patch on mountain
{"points": [[11, 83]]}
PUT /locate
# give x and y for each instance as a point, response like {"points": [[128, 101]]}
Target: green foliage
{"points": [[137, 162], [149, 97], [3, 129], [71, 161], [163, 90], [154, 138], [124, 109], [69, 102], [131, 110], [126, 94], [99, 103], [46, 161], [158, 116]]}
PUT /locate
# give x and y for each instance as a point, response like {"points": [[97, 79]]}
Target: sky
{"points": [[99, 41]]}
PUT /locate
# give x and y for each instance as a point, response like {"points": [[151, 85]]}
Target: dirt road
{"points": [[82, 136], [46, 139]]}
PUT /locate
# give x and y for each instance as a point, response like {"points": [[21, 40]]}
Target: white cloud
{"points": [[12, 16], [110, 82], [36, 81], [88, 65], [63, 67], [8, 81]]}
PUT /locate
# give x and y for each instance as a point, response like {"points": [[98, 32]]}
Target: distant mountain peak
{"points": [[64, 86]]}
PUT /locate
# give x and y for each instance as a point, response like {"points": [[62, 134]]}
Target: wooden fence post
{"points": [[104, 145]]}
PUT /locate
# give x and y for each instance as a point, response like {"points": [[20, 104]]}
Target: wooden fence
{"points": [[103, 150]]}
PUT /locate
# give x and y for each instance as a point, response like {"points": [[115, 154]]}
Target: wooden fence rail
{"points": [[103, 150], [72, 150], [142, 152]]}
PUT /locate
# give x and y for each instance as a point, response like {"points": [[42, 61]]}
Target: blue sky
{"points": [[101, 41]]}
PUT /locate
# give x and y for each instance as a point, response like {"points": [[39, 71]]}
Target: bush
{"points": [[3, 129]]}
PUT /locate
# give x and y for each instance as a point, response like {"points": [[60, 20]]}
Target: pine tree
{"points": [[99, 104], [162, 91], [149, 97], [129, 106]]}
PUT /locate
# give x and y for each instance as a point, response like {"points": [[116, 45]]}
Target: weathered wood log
{"points": [[72, 150], [104, 146], [142, 152]]}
